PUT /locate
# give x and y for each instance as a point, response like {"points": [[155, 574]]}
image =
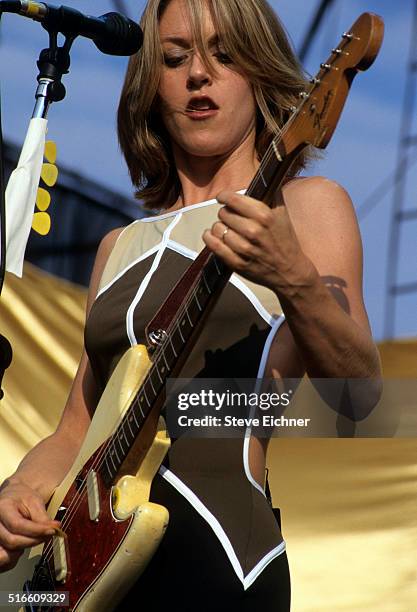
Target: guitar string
{"points": [[102, 455]]}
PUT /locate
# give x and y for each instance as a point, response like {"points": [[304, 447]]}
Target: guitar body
{"points": [[111, 531]]}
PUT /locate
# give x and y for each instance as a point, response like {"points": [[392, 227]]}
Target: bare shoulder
{"points": [[103, 252], [313, 194], [323, 216], [107, 243]]}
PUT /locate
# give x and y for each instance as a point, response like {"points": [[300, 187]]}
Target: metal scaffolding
{"points": [[400, 214]]}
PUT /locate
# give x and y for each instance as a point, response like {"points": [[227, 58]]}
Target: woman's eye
{"points": [[223, 58], [172, 61]]}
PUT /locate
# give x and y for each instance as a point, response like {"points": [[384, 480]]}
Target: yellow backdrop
{"points": [[348, 506]]}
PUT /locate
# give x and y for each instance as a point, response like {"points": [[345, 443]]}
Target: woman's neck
{"points": [[202, 178]]}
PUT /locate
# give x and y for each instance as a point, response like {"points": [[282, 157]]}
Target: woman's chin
{"points": [[205, 148]]}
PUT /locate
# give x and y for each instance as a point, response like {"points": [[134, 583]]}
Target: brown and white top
{"points": [[148, 258]]}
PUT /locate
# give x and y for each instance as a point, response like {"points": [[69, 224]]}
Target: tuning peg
{"points": [[41, 223]]}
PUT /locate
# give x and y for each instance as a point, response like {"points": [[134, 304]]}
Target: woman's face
{"points": [[205, 115]]}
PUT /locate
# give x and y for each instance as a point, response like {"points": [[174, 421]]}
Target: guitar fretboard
{"points": [[165, 359]]}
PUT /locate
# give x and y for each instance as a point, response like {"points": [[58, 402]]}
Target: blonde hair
{"points": [[255, 40]]}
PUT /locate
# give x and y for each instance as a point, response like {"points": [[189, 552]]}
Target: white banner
{"points": [[21, 195]]}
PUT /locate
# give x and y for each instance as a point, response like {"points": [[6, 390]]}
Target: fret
{"points": [[176, 341], [198, 303], [145, 395], [130, 419], [165, 359], [262, 177], [114, 450], [202, 292], [149, 379], [206, 283], [118, 445], [126, 433], [139, 401], [155, 381], [183, 323], [216, 263], [110, 455], [110, 471], [172, 346], [179, 329], [157, 371], [164, 369], [188, 316], [193, 311], [211, 273], [169, 356]]}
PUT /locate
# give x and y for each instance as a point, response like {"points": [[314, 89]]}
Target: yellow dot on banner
{"points": [[49, 174], [43, 199], [41, 223], [50, 151]]}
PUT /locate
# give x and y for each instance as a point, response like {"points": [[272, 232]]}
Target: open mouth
{"points": [[201, 105]]}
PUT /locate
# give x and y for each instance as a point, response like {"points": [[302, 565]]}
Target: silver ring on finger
{"points": [[224, 234]]}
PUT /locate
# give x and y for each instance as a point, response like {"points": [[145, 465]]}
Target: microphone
{"points": [[112, 33]]}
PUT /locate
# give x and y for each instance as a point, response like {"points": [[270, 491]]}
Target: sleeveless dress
{"points": [[223, 547]]}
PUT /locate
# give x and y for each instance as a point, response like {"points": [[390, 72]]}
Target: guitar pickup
{"points": [[93, 495], [60, 558]]}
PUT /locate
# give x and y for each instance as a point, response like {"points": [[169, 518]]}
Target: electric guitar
{"points": [[110, 529]]}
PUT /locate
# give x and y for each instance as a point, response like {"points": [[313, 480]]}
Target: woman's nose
{"points": [[198, 74]]}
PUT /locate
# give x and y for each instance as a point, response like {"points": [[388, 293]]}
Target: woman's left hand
{"points": [[258, 242]]}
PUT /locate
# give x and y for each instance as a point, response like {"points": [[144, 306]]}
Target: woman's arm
{"points": [[308, 251], [23, 518]]}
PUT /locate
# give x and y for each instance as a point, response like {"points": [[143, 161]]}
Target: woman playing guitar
{"points": [[214, 81]]}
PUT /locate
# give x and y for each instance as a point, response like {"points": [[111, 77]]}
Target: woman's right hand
{"points": [[23, 522]]}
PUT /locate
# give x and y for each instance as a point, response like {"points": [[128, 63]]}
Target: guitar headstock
{"points": [[316, 117]]}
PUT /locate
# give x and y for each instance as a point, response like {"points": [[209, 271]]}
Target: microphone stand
{"points": [[53, 63]]}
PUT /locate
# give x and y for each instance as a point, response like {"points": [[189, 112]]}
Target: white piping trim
{"points": [[142, 287], [133, 263], [179, 210], [239, 284], [234, 280], [198, 505], [185, 209], [128, 227], [182, 249], [260, 566], [207, 515], [246, 461], [275, 327]]}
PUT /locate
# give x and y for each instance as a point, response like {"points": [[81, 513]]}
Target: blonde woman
{"points": [[214, 80]]}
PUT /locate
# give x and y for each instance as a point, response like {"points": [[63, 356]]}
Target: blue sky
{"points": [[361, 155]]}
